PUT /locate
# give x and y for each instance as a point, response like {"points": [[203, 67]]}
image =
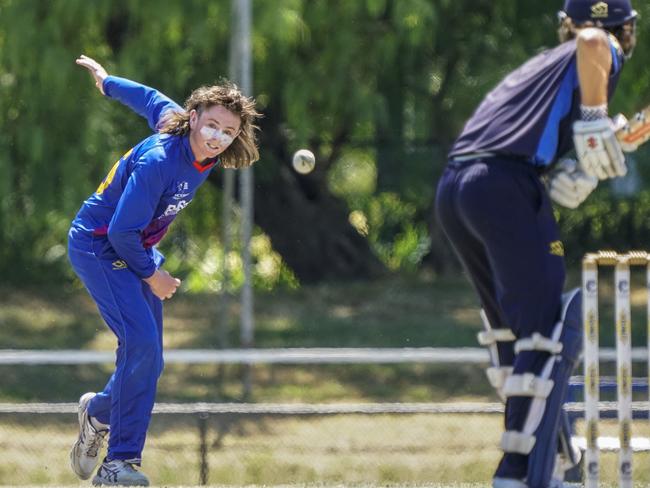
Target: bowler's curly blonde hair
{"points": [[243, 152]]}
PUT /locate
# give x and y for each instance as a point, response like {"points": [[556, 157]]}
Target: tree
{"points": [[385, 84]]}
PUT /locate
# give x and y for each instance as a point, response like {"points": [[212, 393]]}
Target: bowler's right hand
{"points": [[162, 284], [96, 70]]}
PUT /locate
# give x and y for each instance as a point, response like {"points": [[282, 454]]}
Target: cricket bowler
{"points": [[111, 246]]}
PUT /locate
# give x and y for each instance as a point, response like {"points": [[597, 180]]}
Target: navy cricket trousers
{"points": [[499, 219], [134, 315]]}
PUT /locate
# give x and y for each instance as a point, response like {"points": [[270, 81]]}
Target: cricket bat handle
{"points": [[631, 133]]}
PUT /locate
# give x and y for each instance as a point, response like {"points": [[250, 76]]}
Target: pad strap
{"points": [[537, 342], [497, 375], [492, 336], [527, 384], [517, 442]]}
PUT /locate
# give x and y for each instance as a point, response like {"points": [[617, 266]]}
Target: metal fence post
{"points": [[203, 448]]}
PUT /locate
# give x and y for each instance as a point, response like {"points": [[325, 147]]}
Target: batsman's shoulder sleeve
{"points": [[143, 100], [618, 56], [136, 209]]}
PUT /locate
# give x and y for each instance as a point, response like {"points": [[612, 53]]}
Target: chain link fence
{"points": [[270, 444], [239, 444], [246, 444]]}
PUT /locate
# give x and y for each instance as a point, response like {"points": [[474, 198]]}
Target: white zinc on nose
{"points": [[209, 133]]}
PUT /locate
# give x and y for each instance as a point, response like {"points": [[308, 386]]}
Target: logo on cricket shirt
{"points": [[174, 209], [119, 264], [182, 190]]}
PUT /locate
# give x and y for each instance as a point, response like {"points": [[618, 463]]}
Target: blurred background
{"points": [[349, 255]]}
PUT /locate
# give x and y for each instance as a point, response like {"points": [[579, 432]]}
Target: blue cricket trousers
{"points": [[499, 220], [134, 314]]}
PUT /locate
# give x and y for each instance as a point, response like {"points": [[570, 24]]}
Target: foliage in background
{"points": [[611, 218], [378, 88]]}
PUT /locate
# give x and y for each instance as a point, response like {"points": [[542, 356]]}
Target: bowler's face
{"points": [[212, 132]]}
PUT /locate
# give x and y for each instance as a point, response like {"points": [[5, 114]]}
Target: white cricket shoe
{"points": [[119, 473], [84, 455]]}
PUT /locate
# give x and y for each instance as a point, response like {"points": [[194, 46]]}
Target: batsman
{"points": [[494, 202]]}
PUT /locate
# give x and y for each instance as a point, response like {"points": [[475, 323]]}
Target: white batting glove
{"points": [[568, 185], [598, 150]]}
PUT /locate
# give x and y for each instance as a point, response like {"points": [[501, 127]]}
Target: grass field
{"points": [[381, 450], [332, 450], [346, 450], [398, 312], [309, 485]]}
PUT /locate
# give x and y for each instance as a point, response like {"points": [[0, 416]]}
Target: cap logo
{"points": [[599, 11]]}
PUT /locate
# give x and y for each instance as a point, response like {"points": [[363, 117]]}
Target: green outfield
{"points": [[342, 450], [346, 450], [396, 312], [393, 312]]}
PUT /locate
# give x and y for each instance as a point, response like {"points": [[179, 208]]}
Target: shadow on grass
{"points": [[46, 319], [397, 312], [391, 313]]}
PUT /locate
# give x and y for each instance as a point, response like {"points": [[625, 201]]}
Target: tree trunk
{"points": [[307, 224], [309, 227]]}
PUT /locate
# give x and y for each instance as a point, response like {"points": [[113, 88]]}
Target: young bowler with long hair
{"points": [[112, 249]]}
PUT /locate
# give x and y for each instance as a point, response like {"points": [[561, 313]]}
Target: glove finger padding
{"points": [[563, 191], [563, 183], [598, 150], [566, 200], [585, 183], [616, 155], [569, 186]]}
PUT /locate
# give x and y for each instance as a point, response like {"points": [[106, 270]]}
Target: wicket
{"points": [[622, 310]]}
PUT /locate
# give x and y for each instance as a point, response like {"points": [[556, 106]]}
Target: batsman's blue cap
{"points": [[606, 13]]}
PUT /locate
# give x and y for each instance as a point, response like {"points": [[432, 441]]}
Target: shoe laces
{"points": [[95, 438]]}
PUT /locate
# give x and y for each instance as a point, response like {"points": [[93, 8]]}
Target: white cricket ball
{"points": [[304, 161]]}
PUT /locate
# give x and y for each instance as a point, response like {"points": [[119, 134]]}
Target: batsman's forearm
{"points": [[594, 62]]}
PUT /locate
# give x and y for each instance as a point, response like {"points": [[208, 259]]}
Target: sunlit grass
{"points": [[395, 312], [313, 485], [341, 450], [387, 451], [349, 450]]}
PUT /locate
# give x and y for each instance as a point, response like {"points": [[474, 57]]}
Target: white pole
{"points": [[242, 59], [226, 216], [241, 54]]}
